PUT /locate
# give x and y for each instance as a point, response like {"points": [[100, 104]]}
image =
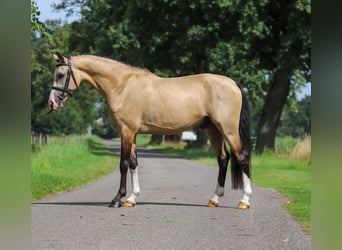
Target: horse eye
{"points": [[60, 75]]}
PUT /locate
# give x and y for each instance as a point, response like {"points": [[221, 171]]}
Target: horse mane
{"points": [[108, 59]]}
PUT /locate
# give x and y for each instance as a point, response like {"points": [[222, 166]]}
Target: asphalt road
{"points": [[171, 213]]}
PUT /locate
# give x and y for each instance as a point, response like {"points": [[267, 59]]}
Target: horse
{"points": [[140, 102]]}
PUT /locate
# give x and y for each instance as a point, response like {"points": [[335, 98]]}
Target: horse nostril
{"points": [[52, 104]]}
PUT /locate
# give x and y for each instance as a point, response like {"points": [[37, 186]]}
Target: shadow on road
{"points": [[146, 153], [99, 149], [96, 204], [106, 204], [175, 204], [141, 152]]}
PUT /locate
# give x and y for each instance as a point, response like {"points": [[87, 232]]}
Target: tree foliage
{"points": [[264, 45], [36, 24], [296, 123], [75, 117]]}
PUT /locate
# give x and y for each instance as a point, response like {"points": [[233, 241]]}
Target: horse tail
{"points": [[244, 131]]}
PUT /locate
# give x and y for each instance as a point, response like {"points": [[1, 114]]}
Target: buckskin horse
{"points": [[140, 102]]}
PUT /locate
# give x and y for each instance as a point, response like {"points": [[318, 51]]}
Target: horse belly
{"points": [[165, 120]]}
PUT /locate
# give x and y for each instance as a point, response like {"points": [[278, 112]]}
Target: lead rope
{"points": [[49, 112]]}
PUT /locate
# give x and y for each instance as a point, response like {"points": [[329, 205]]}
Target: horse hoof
{"points": [[115, 203], [212, 203], [243, 205], [128, 204]]}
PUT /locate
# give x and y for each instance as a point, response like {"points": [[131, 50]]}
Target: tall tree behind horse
{"points": [[141, 102]]}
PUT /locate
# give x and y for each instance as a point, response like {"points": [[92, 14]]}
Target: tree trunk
{"points": [[270, 116]]}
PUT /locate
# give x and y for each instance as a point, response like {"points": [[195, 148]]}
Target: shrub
{"points": [[302, 150]]}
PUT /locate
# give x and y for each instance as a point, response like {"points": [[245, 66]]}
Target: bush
{"points": [[302, 150]]}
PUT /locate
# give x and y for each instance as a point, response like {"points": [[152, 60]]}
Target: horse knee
{"points": [[124, 167], [133, 163]]}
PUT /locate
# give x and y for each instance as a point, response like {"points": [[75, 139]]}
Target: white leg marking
{"points": [[247, 189], [135, 185], [219, 192]]}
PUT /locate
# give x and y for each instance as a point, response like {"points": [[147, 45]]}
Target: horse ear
{"points": [[58, 57]]}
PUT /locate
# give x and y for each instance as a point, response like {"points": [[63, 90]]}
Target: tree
{"points": [[283, 47], [296, 123], [79, 112], [36, 24], [263, 45], [173, 46]]}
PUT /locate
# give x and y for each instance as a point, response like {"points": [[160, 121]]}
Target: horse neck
{"points": [[102, 74]]}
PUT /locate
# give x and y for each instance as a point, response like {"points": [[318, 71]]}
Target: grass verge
{"points": [[67, 162], [290, 177]]}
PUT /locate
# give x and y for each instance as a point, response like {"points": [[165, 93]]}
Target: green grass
{"points": [[290, 177], [68, 162], [143, 140]]}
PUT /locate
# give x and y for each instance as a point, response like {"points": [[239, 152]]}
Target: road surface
{"points": [[171, 213]]}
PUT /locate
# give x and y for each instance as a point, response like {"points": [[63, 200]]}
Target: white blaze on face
{"points": [[53, 103]]}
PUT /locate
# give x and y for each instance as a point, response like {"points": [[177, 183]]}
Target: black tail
{"points": [[244, 130]]}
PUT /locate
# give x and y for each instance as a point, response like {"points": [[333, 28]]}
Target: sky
{"points": [[47, 12], [306, 90]]}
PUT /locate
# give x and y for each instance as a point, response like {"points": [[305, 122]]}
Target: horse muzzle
{"points": [[55, 104]]}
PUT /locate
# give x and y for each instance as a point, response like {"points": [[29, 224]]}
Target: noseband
{"points": [[67, 80]]}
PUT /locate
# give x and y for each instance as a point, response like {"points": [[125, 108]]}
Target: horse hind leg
{"points": [[241, 170], [247, 193], [217, 142]]}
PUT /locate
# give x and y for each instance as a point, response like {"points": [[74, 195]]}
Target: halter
{"points": [[67, 80]]}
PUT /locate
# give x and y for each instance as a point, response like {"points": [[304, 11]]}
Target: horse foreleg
{"points": [[116, 202], [126, 145], [133, 167]]}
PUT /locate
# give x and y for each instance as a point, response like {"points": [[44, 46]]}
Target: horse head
{"points": [[64, 82]]}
